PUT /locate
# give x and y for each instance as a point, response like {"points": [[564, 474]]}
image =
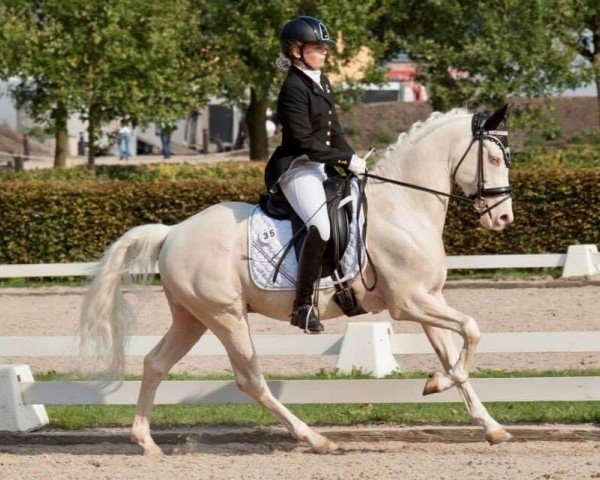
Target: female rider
{"points": [[312, 144]]}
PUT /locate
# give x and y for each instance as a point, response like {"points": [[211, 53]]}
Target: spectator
{"points": [[81, 145], [26, 150], [242, 134], [124, 142], [165, 129], [419, 92]]}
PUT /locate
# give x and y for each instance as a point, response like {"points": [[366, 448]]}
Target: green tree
{"points": [[587, 25], [103, 60], [473, 52], [244, 36]]}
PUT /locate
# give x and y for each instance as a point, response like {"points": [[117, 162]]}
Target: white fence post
{"points": [[582, 260], [15, 416], [367, 346]]}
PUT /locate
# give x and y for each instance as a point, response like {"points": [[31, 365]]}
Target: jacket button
{"points": [[327, 143], [329, 122], [329, 134], [329, 112]]}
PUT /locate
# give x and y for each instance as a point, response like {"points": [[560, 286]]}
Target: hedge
{"points": [[553, 208], [67, 222]]}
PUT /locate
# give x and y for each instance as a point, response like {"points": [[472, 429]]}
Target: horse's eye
{"points": [[495, 160]]}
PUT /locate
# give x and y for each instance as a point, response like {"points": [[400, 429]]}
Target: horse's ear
{"points": [[497, 118]]}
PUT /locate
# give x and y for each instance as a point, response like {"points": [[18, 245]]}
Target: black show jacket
{"points": [[309, 127]]}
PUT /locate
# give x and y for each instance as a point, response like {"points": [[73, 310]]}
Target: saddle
{"points": [[338, 191]]}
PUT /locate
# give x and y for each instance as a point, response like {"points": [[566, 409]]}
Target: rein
{"points": [[419, 187], [477, 199]]}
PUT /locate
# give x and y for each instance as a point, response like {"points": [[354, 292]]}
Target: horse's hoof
{"points": [[433, 384], [497, 436], [153, 451], [323, 445], [150, 449]]}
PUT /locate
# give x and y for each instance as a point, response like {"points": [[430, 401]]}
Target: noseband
{"points": [[477, 199]]}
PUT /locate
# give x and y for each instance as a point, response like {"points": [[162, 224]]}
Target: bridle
{"points": [[477, 199], [480, 134]]}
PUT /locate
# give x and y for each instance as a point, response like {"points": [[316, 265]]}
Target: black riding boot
{"points": [[309, 265]]}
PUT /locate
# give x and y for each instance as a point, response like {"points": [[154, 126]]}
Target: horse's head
{"points": [[480, 168]]}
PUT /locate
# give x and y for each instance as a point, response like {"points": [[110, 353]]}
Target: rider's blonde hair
{"points": [[284, 60]]}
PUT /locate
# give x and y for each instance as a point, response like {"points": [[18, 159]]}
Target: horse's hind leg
{"points": [[233, 331], [185, 331]]}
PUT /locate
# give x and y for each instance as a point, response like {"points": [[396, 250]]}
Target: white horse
{"points": [[206, 279]]}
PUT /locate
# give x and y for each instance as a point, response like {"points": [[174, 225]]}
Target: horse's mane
{"points": [[418, 130]]}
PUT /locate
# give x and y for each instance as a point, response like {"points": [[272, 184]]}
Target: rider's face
{"points": [[314, 55]]}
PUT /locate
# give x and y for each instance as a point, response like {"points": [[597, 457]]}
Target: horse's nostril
{"points": [[505, 218]]}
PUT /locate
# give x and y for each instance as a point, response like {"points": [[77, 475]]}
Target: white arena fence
{"points": [[371, 346], [578, 261]]}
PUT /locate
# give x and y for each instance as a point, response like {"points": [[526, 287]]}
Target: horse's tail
{"points": [[106, 317]]}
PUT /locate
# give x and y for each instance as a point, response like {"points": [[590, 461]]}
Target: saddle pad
{"points": [[267, 238]]}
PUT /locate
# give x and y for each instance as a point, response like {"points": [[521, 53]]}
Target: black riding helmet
{"points": [[306, 30]]}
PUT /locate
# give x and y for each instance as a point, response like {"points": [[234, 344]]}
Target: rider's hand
{"points": [[357, 165]]}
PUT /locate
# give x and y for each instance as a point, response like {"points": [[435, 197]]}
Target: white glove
{"points": [[357, 165]]}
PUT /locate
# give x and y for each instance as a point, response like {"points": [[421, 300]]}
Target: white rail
{"points": [[535, 389], [327, 344], [368, 345], [579, 260]]}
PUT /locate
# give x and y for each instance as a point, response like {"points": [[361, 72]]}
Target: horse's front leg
{"points": [[444, 346], [431, 310], [442, 342]]}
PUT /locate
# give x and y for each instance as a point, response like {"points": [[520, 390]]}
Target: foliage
{"points": [[590, 137], [352, 129], [58, 221], [472, 53], [583, 155], [553, 207], [63, 221], [384, 135], [141, 173], [537, 124], [103, 60]]}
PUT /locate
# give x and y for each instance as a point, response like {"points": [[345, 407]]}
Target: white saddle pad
{"points": [[268, 237]]}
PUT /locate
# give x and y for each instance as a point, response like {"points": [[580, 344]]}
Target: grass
{"points": [[505, 274], [42, 282], [71, 417], [83, 416], [335, 374]]}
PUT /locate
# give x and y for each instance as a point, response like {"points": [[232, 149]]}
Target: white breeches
{"points": [[302, 186]]}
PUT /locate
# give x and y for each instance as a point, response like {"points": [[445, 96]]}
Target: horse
{"points": [[203, 268]]}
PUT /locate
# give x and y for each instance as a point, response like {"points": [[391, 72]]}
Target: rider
{"points": [[312, 145]]}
